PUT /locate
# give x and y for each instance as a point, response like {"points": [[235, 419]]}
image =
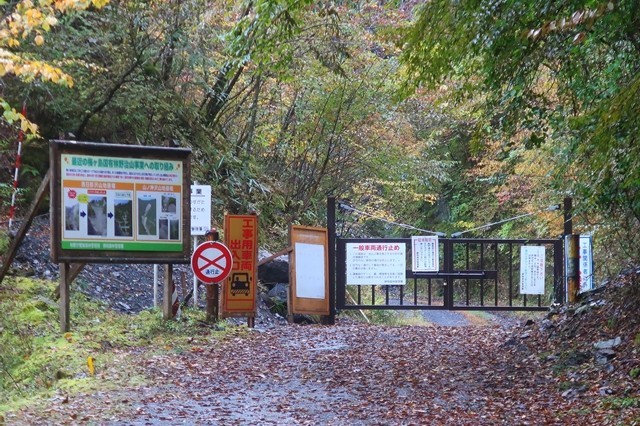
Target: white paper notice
{"points": [[424, 254], [532, 269], [310, 279], [586, 263], [376, 263], [200, 209]]}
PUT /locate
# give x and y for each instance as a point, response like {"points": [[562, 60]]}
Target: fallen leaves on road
{"points": [[346, 374]]}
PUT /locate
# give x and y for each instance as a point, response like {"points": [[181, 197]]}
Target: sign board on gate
{"points": [[424, 254], [211, 262], [200, 209], [376, 263], [532, 269], [239, 293]]}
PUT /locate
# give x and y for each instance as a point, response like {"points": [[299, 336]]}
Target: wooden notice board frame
{"points": [[308, 271]]}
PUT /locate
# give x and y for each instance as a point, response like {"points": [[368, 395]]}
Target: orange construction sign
{"points": [[240, 290]]}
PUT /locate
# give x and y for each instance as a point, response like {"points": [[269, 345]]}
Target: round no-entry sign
{"points": [[211, 262]]}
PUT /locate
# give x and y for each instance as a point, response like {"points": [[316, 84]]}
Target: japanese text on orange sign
{"points": [[241, 232]]}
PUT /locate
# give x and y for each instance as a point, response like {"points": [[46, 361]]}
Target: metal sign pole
{"points": [[195, 279], [155, 285], [213, 295]]}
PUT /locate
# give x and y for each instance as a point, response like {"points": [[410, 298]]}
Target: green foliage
{"points": [[36, 358], [558, 79], [621, 403], [4, 242]]}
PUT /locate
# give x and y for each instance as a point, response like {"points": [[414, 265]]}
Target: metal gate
{"points": [[474, 274]]}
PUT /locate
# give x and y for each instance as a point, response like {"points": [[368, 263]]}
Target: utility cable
{"points": [[347, 207], [488, 225]]}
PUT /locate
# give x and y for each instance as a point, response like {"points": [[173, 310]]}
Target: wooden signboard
{"points": [[309, 271], [240, 289]]}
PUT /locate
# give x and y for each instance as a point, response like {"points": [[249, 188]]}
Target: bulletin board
{"points": [[115, 203], [309, 271]]}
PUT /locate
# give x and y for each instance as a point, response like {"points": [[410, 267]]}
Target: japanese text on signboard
{"points": [[241, 233], [200, 209], [424, 254], [115, 203], [376, 263], [532, 269]]}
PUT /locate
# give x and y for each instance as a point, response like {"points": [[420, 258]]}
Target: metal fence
{"points": [[473, 274]]}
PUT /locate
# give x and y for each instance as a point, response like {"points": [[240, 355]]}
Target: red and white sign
{"points": [[211, 262]]}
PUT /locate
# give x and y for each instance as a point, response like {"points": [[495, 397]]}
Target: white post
{"points": [[195, 280], [155, 285]]}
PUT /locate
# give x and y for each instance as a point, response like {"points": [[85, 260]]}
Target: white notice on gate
{"points": [[424, 254], [376, 263], [532, 269]]}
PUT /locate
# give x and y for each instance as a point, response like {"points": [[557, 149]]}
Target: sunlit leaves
{"points": [[23, 20], [579, 17], [11, 116]]}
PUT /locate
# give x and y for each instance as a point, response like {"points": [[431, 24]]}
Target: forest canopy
{"points": [[442, 115]]}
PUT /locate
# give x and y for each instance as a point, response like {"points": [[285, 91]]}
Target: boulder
{"points": [[276, 271], [279, 292], [608, 344]]}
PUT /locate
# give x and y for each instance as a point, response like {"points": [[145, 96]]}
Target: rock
{"points": [[124, 305], [582, 309], [279, 292], [276, 271], [606, 391], [577, 358], [553, 311], [509, 342], [608, 344], [266, 299], [603, 356], [547, 324]]}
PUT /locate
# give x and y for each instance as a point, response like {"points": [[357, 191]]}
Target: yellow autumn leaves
{"points": [[28, 18], [30, 70]]}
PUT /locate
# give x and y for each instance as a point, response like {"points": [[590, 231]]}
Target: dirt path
{"points": [[341, 375]]}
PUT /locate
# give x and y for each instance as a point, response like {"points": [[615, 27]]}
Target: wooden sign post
{"points": [[308, 271], [240, 289]]}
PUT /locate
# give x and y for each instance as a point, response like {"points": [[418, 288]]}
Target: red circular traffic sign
{"points": [[211, 262]]}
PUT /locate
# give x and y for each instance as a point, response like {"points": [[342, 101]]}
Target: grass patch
{"points": [[621, 403], [37, 360], [4, 241]]}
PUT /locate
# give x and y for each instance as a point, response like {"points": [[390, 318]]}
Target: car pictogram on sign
{"points": [[240, 284]]}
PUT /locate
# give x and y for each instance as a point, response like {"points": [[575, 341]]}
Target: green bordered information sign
{"points": [[119, 203]]}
